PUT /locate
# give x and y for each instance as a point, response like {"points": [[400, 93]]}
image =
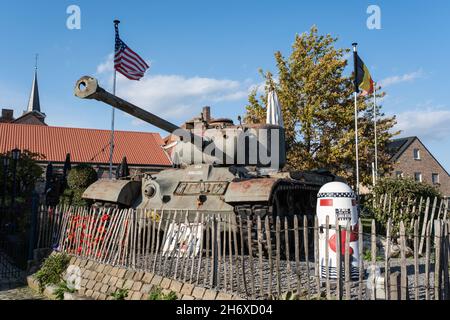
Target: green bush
{"points": [[81, 177], [62, 288], [78, 179], [73, 198], [405, 193], [157, 294], [120, 294], [52, 269]]}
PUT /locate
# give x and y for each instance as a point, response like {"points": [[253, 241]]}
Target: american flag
{"points": [[126, 61]]}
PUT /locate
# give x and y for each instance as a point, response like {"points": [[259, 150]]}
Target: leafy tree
{"points": [[318, 110], [27, 173]]}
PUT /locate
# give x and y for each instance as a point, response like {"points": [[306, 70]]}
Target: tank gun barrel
{"points": [[88, 88]]}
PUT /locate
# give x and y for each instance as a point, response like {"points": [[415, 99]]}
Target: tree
{"points": [[27, 173], [318, 110]]}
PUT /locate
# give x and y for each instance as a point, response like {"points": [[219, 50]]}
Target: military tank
{"points": [[219, 167]]}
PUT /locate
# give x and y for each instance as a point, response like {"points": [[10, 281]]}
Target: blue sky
{"points": [[209, 53]]}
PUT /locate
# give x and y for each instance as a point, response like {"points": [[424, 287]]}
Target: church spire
{"points": [[33, 103]]}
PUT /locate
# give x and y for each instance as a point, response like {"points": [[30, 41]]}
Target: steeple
{"points": [[33, 103]]}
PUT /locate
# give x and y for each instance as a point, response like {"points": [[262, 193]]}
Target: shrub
{"points": [[405, 193], [120, 294], [157, 294], [62, 288], [73, 198], [81, 177], [52, 269]]}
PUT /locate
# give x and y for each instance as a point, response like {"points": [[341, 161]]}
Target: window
{"points": [[416, 154], [418, 176], [399, 174], [435, 178]]}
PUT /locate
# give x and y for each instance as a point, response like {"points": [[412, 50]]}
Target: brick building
{"points": [[412, 159]]}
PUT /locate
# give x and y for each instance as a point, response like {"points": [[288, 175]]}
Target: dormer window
{"points": [[416, 154]]}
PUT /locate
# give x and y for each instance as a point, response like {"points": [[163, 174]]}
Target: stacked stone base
{"points": [[99, 281]]}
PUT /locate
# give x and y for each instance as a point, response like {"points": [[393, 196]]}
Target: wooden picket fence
{"points": [[256, 259]]}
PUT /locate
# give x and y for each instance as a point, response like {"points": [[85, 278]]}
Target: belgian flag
{"points": [[363, 80]]}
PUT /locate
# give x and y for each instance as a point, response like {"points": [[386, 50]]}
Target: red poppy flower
{"points": [[105, 217]]}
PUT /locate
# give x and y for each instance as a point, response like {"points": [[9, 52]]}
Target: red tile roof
{"points": [[84, 145]]}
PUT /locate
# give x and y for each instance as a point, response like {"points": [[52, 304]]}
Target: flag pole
{"points": [[375, 130], [356, 118], [111, 143]]}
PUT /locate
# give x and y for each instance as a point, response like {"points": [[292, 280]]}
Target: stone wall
{"points": [[99, 281]]}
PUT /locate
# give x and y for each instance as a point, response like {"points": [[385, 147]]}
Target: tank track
{"points": [[251, 212]]}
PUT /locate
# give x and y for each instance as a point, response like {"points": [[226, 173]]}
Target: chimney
{"points": [[7, 115], [206, 113]]}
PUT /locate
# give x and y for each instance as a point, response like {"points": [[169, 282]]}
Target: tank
{"points": [[219, 167]]}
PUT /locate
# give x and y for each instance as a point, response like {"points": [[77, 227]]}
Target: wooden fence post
{"points": [[427, 260], [347, 267], [361, 259], [373, 253], [297, 253], [403, 271], [306, 247], [269, 246], [250, 254], [260, 255], [327, 257], [287, 253], [416, 259], [277, 263], [437, 259], [424, 227], [338, 261], [316, 254]]}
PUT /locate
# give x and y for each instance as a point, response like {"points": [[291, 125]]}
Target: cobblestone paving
{"points": [[12, 282], [19, 293]]}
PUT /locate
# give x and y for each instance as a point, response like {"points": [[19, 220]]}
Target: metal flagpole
{"points": [[375, 130], [111, 143], [356, 121]]}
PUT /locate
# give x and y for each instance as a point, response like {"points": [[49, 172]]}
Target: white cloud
{"points": [[401, 78], [173, 96], [431, 124], [107, 65]]}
